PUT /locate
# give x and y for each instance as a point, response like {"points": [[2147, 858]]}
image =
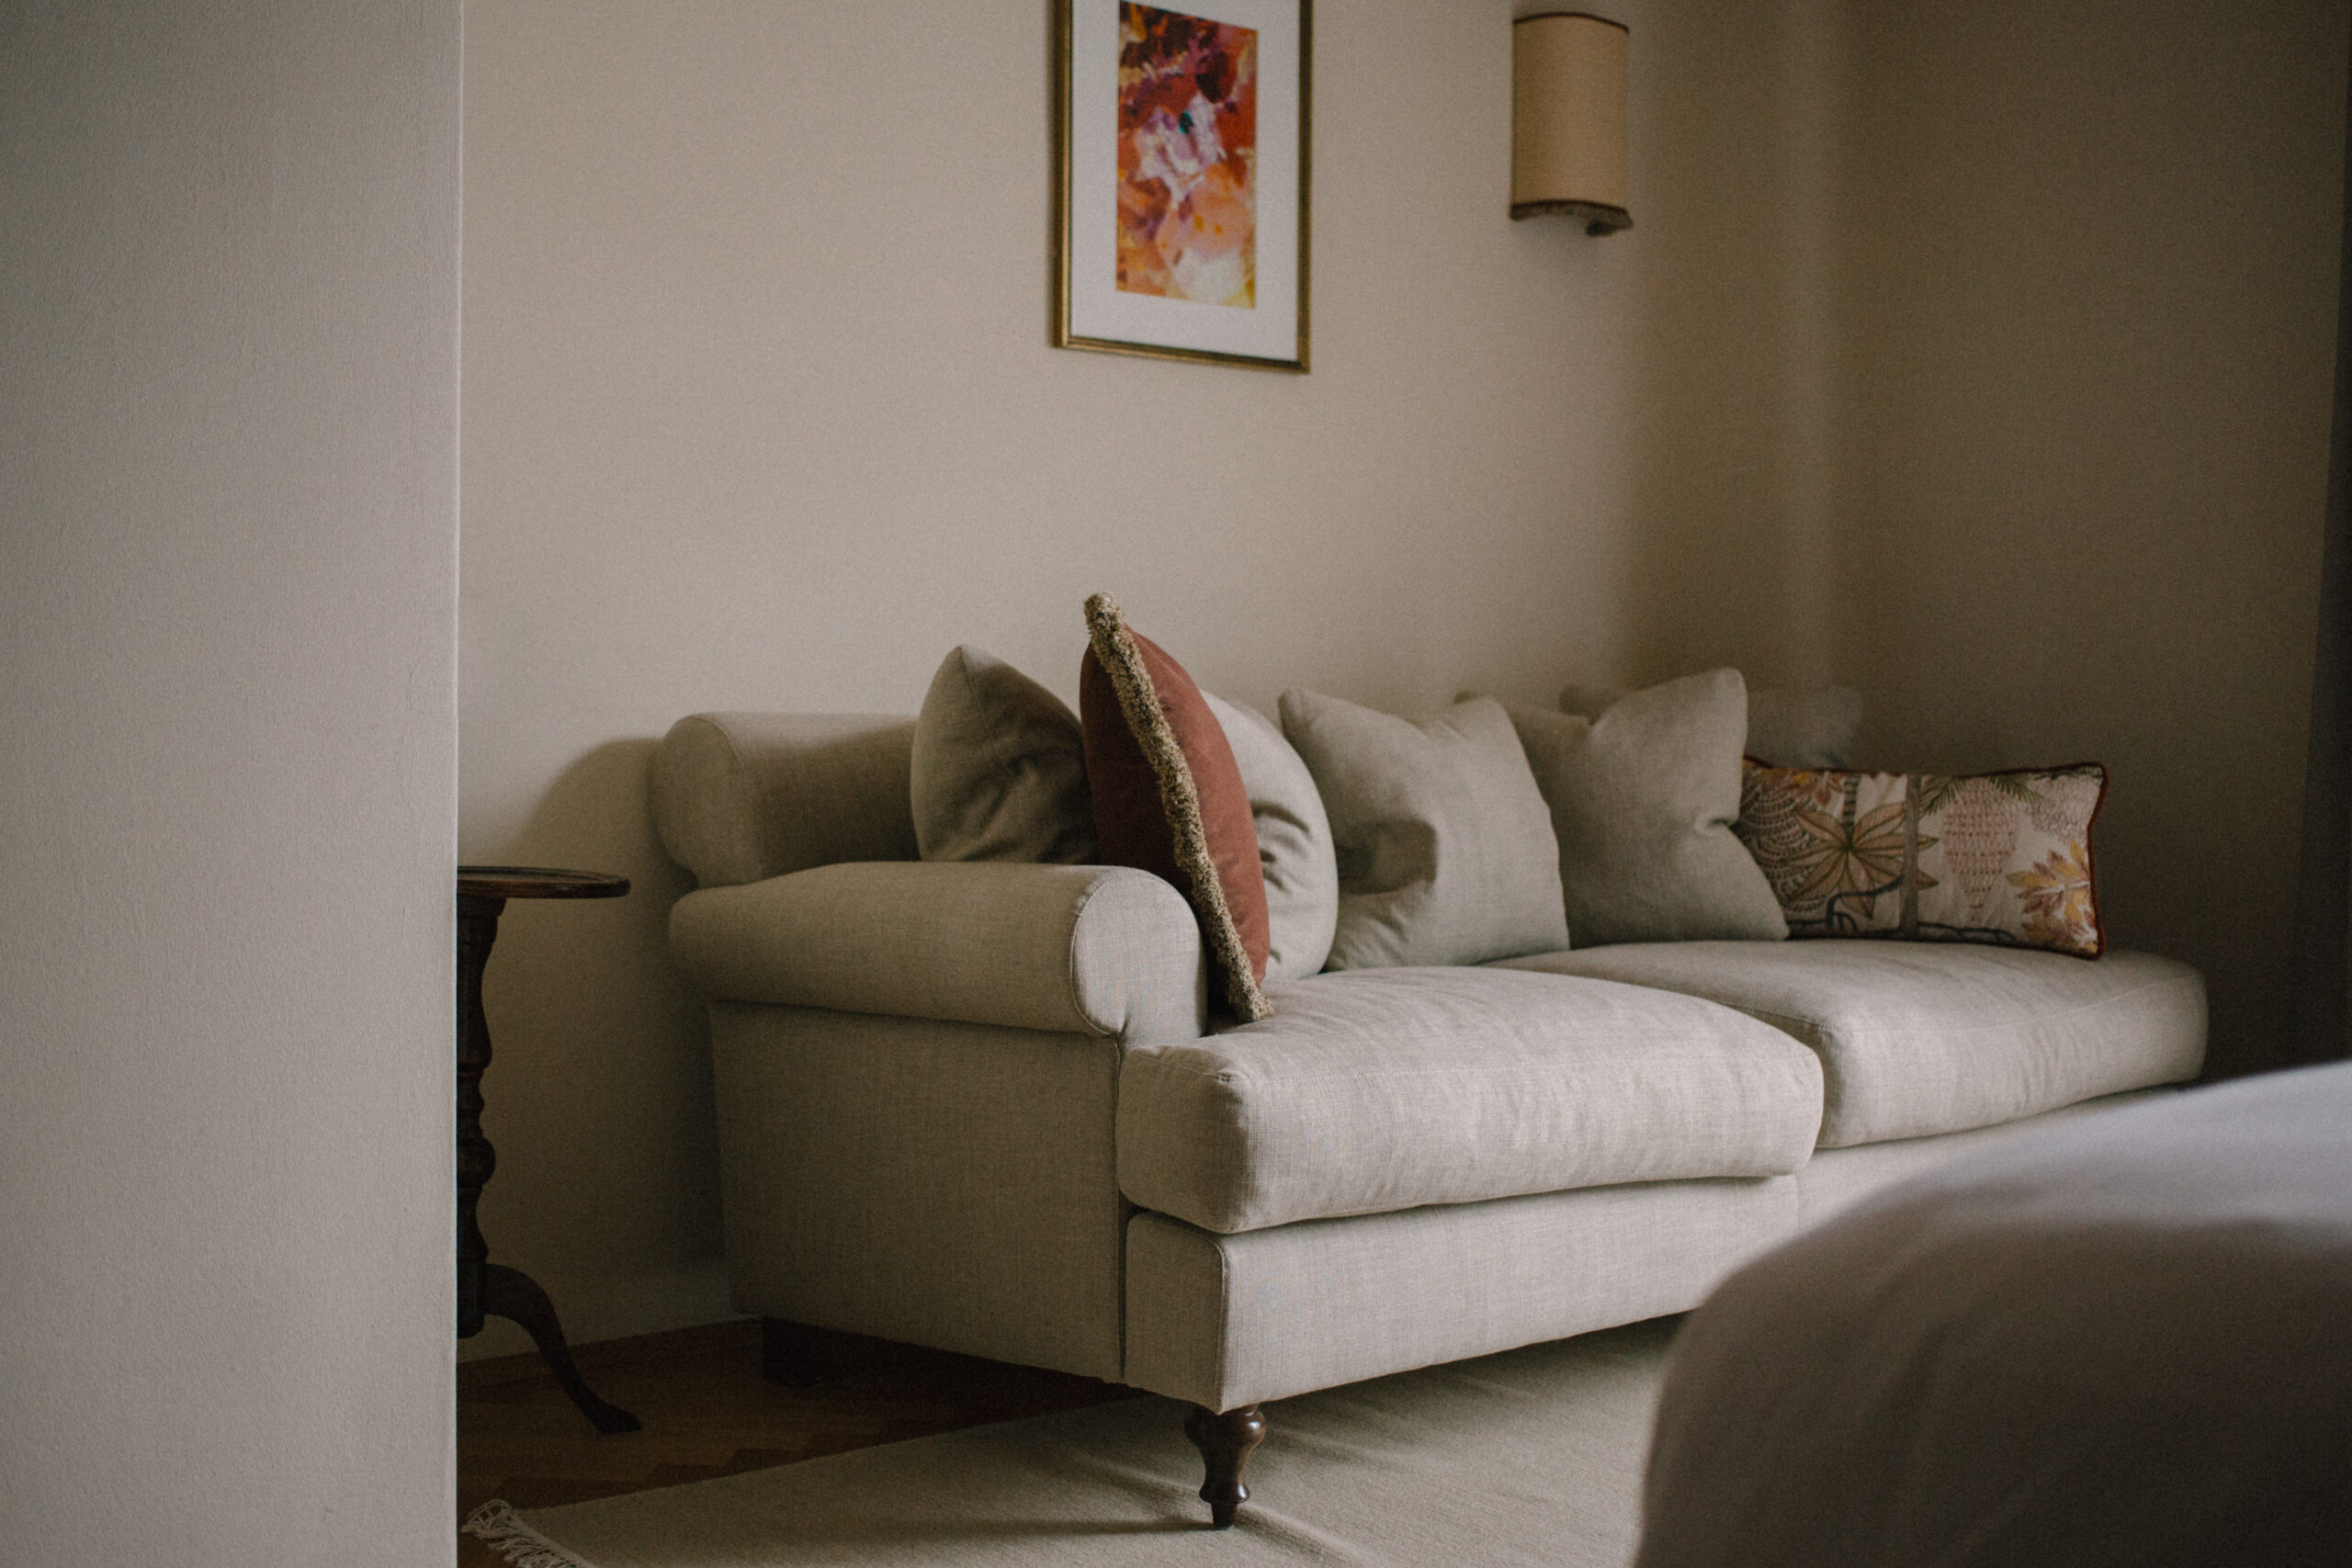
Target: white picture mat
{"points": [[1098, 308]]}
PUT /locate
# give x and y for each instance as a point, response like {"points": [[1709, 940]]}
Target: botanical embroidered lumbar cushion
{"points": [[2002, 858], [1169, 798]]}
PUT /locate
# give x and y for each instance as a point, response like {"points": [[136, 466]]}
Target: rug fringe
{"points": [[521, 1545]]}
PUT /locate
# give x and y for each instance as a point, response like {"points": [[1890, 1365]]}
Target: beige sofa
{"points": [[981, 1106]]}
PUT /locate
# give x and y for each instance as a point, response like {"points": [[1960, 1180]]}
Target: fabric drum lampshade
{"points": [[1568, 145]]}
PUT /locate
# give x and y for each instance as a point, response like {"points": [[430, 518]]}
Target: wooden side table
{"points": [[487, 1289]]}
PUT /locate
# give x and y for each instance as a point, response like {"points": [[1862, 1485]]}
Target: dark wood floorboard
{"points": [[708, 1413]]}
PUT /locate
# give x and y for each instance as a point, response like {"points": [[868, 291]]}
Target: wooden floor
{"points": [[708, 1413]]}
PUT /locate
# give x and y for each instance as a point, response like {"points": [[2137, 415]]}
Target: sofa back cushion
{"points": [[997, 769], [1643, 801], [1294, 852], [1789, 727], [1444, 846], [739, 797]]}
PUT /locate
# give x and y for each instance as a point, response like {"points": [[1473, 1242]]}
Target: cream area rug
{"points": [[1533, 1456]]}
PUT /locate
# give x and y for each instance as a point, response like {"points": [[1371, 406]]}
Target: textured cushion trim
{"points": [[1180, 798]]}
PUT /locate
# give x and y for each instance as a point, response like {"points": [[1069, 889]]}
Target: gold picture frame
{"points": [[1122, 284]]}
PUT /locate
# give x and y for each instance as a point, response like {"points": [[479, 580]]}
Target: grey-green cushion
{"points": [[1293, 842], [1642, 801], [1789, 727], [1444, 845], [999, 770], [739, 796], [1386, 1088], [1935, 1037]]}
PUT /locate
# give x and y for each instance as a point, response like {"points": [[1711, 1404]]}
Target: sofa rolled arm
{"points": [[1090, 949]]}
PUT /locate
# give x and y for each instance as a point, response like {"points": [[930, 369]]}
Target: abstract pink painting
{"points": [[1188, 154]]}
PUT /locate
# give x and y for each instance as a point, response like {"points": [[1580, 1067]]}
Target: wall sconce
{"points": [[1567, 119]]}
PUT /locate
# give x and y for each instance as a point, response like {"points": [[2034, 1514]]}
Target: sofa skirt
{"points": [[1224, 1321]]}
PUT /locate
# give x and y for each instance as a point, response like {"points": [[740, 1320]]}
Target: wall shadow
{"points": [[1732, 367], [598, 1097]]}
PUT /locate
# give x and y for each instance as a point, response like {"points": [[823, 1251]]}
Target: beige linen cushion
{"points": [[1789, 727], [1444, 846], [1643, 800], [1386, 1088], [999, 770], [1293, 842], [1918, 1038]]}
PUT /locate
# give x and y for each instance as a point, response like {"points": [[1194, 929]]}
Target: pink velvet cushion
{"points": [[1169, 798]]}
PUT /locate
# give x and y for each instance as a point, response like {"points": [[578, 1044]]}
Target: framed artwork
{"points": [[1181, 196]]}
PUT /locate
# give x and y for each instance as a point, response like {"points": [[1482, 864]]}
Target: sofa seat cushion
{"points": [[1919, 1038], [1378, 1089]]}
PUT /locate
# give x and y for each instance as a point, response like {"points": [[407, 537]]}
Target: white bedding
{"points": [[2125, 1340]]}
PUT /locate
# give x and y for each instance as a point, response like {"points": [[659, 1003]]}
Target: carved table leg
{"points": [[508, 1293], [1224, 1442], [487, 1289], [477, 929]]}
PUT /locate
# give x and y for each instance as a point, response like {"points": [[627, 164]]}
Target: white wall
{"points": [[760, 413], [228, 432]]}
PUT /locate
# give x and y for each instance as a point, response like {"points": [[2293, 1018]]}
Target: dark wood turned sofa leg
{"points": [[1224, 1442], [794, 1355]]}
